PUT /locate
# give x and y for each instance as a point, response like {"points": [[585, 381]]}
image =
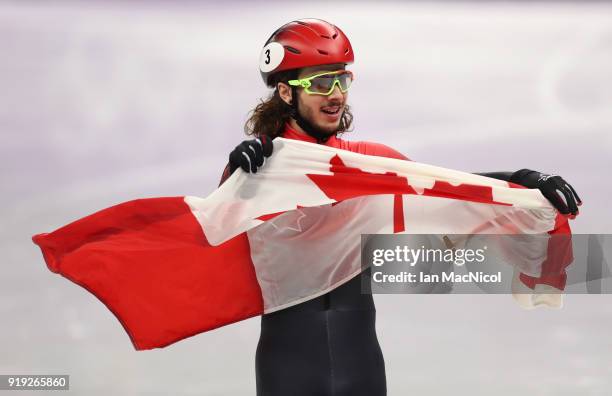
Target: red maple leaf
{"points": [[347, 182]]}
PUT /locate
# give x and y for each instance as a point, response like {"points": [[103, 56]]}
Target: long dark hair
{"points": [[269, 116]]}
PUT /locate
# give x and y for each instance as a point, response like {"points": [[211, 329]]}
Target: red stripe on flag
{"points": [[559, 255], [149, 262]]}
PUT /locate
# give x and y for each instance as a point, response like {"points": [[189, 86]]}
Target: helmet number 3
{"points": [[271, 57]]}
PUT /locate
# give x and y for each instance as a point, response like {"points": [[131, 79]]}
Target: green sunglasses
{"points": [[324, 83]]}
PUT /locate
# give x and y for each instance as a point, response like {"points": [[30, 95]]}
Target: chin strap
{"points": [[317, 133]]}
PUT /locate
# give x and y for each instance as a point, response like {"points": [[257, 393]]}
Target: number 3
{"points": [[267, 61]]}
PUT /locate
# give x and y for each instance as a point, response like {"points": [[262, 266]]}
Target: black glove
{"points": [[249, 155], [549, 185]]}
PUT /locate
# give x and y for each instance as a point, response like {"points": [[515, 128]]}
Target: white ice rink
{"points": [[102, 102]]}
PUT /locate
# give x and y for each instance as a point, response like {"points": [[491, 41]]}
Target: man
{"points": [[328, 345]]}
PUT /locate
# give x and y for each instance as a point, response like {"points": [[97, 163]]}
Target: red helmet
{"points": [[304, 43]]}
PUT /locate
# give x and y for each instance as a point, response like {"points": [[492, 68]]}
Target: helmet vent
{"points": [[291, 49], [323, 52], [346, 51], [335, 35], [325, 36]]}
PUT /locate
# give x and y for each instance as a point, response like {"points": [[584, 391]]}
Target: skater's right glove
{"points": [[249, 155]]}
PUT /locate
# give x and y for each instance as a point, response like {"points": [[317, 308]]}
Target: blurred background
{"points": [[106, 101]]}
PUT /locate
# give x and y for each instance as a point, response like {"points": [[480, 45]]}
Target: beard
{"points": [[308, 119]]}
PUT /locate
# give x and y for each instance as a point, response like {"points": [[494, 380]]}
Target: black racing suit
{"points": [[326, 346]]}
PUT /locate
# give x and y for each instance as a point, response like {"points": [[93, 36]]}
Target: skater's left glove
{"points": [[550, 186]]}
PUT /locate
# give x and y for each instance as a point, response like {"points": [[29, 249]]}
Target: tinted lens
{"points": [[345, 80], [322, 84]]}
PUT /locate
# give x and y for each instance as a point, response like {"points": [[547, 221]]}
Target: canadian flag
{"points": [[169, 268]]}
